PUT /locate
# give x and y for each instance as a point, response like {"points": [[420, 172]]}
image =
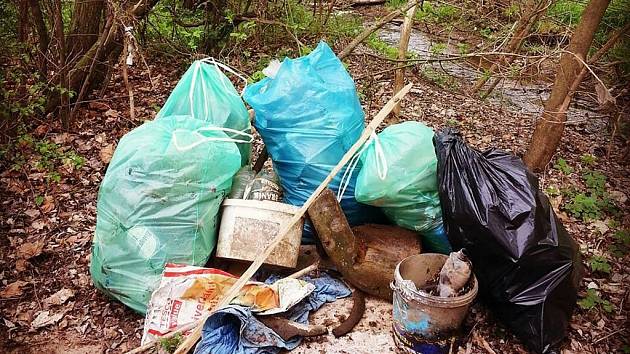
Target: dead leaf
{"points": [[59, 297], [99, 106], [13, 290], [33, 213], [106, 153], [38, 224], [604, 98], [600, 226], [8, 323], [20, 265], [619, 197], [29, 250], [112, 113], [44, 318], [49, 204]]}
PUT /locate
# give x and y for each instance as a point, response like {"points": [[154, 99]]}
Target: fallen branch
{"points": [[358, 3], [358, 309], [380, 23]]}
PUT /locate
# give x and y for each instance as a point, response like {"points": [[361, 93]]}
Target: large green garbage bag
{"points": [[205, 93], [158, 204], [399, 175]]}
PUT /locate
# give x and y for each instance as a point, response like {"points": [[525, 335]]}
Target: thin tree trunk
{"points": [[533, 10], [405, 34], [63, 70], [89, 70], [84, 28], [22, 24], [42, 34], [550, 126]]}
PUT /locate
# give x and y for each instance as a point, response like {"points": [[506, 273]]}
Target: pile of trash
{"points": [[413, 216]]}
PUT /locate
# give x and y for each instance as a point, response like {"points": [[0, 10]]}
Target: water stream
{"points": [[517, 96]]}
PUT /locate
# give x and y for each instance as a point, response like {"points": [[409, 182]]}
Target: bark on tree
{"points": [[405, 34], [42, 33], [60, 37], [550, 126], [89, 70], [84, 28], [22, 23]]}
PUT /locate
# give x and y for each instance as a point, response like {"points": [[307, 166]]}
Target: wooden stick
{"points": [[380, 23], [192, 339], [405, 34]]}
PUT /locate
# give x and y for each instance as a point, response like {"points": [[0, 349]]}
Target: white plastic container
{"points": [[248, 226]]}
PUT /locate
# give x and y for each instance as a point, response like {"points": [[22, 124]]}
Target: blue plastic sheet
{"points": [[234, 329], [309, 115]]}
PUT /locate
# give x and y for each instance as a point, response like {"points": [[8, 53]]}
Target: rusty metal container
{"points": [[248, 226], [424, 323]]}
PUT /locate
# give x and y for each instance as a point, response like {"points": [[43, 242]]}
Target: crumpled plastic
{"points": [[234, 329], [527, 265], [309, 115]]}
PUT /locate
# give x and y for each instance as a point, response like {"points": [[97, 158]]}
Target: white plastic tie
{"points": [[204, 139], [381, 164]]}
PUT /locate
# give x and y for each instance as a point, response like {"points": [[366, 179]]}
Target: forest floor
{"points": [[48, 303]]}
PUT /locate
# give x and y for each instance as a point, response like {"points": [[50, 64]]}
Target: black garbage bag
{"points": [[528, 266]]}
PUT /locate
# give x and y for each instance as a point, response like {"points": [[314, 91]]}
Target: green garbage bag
{"points": [[399, 175], [158, 203], [205, 93]]}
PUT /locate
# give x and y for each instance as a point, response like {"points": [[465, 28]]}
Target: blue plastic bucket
{"points": [[425, 323]]}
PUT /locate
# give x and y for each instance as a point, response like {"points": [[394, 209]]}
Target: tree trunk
{"points": [[550, 126], [63, 70], [90, 70], [22, 24], [529, 16], [84, 28], [42, 33], [405, 34]]}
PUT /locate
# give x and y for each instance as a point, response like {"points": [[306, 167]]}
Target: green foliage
{"points": [[552, 191], [439, 13], [43, 155], [394, 4], [592, 300], [171, 344], [439, 78], [382, 47], [562, 166], [438, 48], [512, 10], [588, 159], [486, 33], [463, 48], [39, 200], [599, 264], [584, 207], [621, 243]]}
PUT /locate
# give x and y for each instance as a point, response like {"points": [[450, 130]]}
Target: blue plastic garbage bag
{"points": [[309, 115], [234, 329]]}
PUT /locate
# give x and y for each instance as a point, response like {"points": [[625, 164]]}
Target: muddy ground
{"points": [[45, 242]]}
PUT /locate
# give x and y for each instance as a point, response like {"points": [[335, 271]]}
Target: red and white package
{"points": [[186, 293]]}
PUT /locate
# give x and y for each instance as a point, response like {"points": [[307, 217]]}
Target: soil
{"points": [[46, 244]]}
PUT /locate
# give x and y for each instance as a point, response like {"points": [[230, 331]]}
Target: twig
{"points": [[126, 44], [405, 34], [380, 23], [609, 335]]}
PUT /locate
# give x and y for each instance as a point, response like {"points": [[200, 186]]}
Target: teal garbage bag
{"points": [[399, 175], [309, 115], [158, 203], [205, 93]]}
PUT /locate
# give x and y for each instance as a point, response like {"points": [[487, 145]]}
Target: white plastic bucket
{"points": [[248, 226]]}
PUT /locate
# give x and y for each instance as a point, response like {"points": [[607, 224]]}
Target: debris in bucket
{"points": [[454, 274], [424, 322], [186, 293]]}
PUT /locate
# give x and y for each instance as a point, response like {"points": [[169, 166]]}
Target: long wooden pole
{"points": [[405, 35], [192, 339]]}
